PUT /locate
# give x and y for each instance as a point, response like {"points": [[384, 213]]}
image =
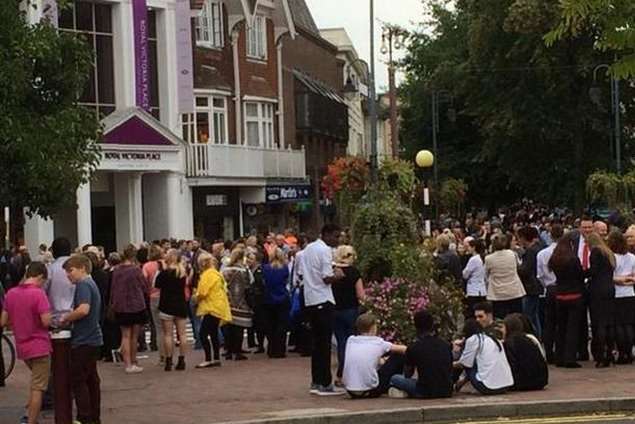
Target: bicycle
{"points": [[8, 354]]}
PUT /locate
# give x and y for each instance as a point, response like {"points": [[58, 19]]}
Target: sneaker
{"points": [[329, 391], [315, 388], [134, 369], [395, 393], [205, 364]]}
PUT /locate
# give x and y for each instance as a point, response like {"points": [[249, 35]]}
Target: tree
{"points": [[48, 143], [525, 124], [613, 22]]}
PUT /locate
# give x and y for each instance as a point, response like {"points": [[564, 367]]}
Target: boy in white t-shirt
{"points": [[364, 357]]}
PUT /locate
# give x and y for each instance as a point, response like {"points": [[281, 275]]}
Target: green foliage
{"points": [[613, 21], [47, 142], [524, 117], [383, 226], [398, 175], [452, 195], [614, 190]]}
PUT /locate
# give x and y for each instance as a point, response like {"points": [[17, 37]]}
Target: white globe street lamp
{"points": [[425, 159]]}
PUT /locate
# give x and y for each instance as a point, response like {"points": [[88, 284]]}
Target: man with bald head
{"points": [[601, 229]]}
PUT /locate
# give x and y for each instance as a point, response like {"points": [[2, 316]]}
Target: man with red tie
{"points": [[584, 253]]}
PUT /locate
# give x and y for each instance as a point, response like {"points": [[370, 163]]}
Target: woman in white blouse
{"points": [[624, 308], [474, 276]]}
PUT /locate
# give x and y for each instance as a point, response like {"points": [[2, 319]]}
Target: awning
{"points": [[318, 87]]}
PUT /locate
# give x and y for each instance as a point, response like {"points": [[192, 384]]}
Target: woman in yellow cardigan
{"points": [[212, 307]]}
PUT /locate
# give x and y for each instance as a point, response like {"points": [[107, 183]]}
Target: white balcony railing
{"points": [[237, 161]]}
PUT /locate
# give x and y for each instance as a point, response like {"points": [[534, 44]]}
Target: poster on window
{"points": [[185, 78], [142, 62]]}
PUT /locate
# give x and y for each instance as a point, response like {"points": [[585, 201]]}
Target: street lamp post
{"points": [[425, 159], [595, 94], [393, 37], [438, 96], [372, 109]]}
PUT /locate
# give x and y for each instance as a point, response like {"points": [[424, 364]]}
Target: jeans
{"points": [[196, 324], [569, 315], [479, 386], [551, 323], [408, 385], [156, 332], [531, 309], [234, 336], [322, 319], [277, 319], [344, 328], [85, 383]]}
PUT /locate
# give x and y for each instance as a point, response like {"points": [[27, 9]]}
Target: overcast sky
{"points": [[353, 15]]}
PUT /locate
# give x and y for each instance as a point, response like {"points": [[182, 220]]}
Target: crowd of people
{"points": [[531, 280]]}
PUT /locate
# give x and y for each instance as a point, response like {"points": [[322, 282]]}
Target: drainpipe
{"points": [[281, 141], [237, 93]]}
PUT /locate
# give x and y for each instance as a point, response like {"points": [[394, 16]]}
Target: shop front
{"points": [[284, 206], [138, 192]]}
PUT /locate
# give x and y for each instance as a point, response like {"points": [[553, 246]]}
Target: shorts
{"points": [[128, 319], [40, 372]]}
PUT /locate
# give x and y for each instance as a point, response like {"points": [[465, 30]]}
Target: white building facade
{"points": [[155, 154]]}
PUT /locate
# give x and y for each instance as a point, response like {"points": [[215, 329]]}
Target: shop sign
{"points": [[216, 200], [278, 194], [152, 156]]}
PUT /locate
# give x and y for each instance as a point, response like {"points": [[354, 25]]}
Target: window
{"points": [[257, 39], [259, 124], [209, 24], [208, 123], [92, 22]]}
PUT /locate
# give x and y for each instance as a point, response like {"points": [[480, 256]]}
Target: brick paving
{"points": [[264, 388]]}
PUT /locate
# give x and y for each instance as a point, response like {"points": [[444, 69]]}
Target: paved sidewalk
{"points": [[261, 388]]}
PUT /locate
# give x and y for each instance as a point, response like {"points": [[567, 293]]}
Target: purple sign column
{"points": [[142, 62]]}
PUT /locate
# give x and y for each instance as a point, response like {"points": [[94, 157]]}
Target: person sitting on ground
{"points": [[364, 354], [27, 309], [484, 315], [432, 358], [484, 361], [525, 356]]}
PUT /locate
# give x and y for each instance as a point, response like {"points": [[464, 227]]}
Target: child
{"points": [[363, 358], [86, 339], [27, 308]]}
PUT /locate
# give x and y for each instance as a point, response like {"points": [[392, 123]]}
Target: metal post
{"points": [[372, 111], [435, 150], [618, 129], [394, 129]]}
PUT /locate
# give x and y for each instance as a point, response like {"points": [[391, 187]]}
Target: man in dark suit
{"points": [[583, 251]]}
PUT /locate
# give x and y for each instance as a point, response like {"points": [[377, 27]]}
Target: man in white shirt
{"points": [[318, 275], [548, 279], [584, 254]]}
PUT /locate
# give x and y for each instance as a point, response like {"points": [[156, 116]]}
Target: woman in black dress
{"points": [[601, 294]]}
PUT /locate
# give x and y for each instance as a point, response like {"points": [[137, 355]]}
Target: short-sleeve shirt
{"points": [[362, 360], [86, 331], [491, 363], [433, 359], [317, 264], [624, 266], [25, 304]]}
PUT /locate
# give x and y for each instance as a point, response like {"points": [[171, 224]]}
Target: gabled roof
{"points": [[302, 16], [135, 126]]}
